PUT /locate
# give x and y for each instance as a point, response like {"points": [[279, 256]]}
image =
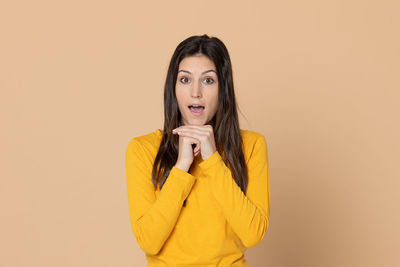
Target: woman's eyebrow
{"points": [[201, 73]]}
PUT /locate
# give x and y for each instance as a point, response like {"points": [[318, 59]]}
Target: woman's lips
{"points": [[196, 111]]}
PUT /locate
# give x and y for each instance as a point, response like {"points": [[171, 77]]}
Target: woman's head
{"points": [[197, 85], [186, 84]]}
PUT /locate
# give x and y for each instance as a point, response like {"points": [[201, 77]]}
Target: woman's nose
{"points": [[196, 90]]}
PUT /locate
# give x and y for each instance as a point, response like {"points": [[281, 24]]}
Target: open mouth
{"points": [[196, 108]]}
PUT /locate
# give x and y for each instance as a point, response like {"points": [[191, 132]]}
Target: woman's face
{"points": [[197, 84]]}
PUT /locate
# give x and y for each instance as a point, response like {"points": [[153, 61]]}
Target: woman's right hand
{"points": [[188, 149]]}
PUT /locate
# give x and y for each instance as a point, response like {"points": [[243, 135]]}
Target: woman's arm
{"points": [[153, 219], [247, 214]]}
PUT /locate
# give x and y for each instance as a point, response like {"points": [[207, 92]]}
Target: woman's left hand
{"points": [[204, 133]]}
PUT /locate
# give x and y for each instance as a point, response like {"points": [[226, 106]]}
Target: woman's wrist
{"points": [[183, 167]]}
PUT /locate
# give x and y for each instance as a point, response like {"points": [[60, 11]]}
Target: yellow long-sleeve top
{"points": [[217, 223]]}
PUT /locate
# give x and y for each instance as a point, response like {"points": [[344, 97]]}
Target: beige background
{"points": [[320, 79]]}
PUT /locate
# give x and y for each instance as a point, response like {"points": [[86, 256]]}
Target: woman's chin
{"points": [[197, 122]]}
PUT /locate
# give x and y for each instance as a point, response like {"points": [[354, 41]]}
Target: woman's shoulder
{"points": [[150, 140], [251, 140], [250, 135]]}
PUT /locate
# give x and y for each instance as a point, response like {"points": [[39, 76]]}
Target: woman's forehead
{"points": [[196, 63]]}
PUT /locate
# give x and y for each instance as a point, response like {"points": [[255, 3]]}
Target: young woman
{"points": [[199, 190]]}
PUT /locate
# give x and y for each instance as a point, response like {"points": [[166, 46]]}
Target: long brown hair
{"points": [[225, 122]]}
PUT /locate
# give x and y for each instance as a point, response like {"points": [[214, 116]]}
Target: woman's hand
{"points": [[185, 153], [202, 136]]}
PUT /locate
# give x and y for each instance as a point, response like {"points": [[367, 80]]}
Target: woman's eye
{"points": [[209, 80], [183, 79]]}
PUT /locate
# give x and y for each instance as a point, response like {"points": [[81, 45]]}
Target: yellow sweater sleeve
{"points": [[153, 219], [247, 214]]}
